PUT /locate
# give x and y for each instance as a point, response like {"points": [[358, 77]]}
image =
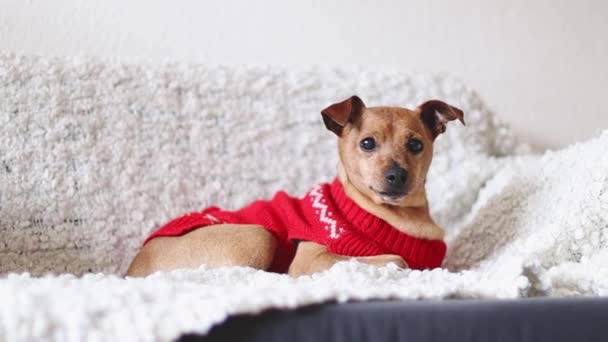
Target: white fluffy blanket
{"points": [[95, 154]]}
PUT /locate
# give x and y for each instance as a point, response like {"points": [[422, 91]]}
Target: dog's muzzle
{"points": [[395, 182]]}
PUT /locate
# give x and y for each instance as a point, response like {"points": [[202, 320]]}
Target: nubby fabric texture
{"points": [[96, 154], [324, 215]]}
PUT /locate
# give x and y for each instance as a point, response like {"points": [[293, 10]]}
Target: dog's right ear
{"points": [[339, 114]]}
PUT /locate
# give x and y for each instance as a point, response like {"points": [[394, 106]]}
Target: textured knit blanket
{"points": [[96, 154]]}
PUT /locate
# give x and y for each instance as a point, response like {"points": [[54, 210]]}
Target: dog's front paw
{"points": [[384, 259]]}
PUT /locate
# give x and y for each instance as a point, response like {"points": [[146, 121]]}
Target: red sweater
{"points": [[324, 215]]}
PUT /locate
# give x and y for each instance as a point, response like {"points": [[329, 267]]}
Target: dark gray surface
{"points": [[580, 319]]}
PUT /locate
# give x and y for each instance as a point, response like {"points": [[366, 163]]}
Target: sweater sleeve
{"points": [[351, 243]]}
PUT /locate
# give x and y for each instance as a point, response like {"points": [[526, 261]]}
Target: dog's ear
{"points": [[436, 114], [339, 114]]}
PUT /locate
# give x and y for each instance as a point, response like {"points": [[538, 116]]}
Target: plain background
{"points": [[541, 65]]}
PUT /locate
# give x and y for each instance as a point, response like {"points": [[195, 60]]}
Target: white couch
{"points": [[95, 154]]}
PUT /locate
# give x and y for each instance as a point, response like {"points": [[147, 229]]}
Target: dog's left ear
{"points": [[339, 114], [436, 114]]}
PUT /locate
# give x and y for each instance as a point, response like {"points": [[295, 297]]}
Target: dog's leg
{"points": [[312, 257], [218, 245]]}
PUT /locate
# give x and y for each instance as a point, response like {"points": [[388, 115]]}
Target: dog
{"points": [[375, 211]]}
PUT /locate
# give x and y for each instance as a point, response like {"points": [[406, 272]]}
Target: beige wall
{"points": [[541, 65]]}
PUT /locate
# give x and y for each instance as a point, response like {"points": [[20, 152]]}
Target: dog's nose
{"points": [[396, 177]]}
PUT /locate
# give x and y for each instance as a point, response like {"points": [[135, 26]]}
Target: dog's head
{"points": [[386, 151]]}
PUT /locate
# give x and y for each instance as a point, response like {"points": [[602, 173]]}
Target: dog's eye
{"points": [[415, 146], [368, 144]]}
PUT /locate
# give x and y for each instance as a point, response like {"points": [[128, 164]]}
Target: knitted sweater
{"points": [[324, 215]]}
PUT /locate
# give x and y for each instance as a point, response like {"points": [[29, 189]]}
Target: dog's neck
{"points": [[413, 220]]}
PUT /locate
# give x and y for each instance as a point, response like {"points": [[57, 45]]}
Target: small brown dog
{"points": [[376, 210]]}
